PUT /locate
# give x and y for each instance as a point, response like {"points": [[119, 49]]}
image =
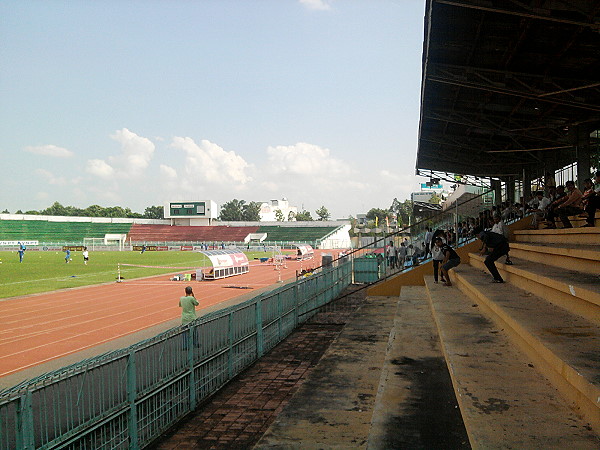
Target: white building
{"points": [[268, 210]]}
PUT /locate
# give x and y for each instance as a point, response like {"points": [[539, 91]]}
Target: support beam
{"points": [[583, 155]]}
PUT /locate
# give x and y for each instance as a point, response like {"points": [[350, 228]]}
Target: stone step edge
{"points": [[472, 428], [583, 396], [592, 254], [559, 231], [572, 289]]}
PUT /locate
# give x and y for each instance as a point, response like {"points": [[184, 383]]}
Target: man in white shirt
{"points": [[428, 243], [501, 229], [539, 212]]}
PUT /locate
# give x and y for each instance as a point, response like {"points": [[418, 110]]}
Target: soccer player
{"points": [[67, 256], [21, 250], [86, 256]]}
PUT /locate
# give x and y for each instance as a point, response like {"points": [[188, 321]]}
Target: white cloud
{"points": [[50, 178], [207, 163], [42, 195], [137, 151], [306, 160], [320, 5], [49, 150], [99, 168], [167, 171]]}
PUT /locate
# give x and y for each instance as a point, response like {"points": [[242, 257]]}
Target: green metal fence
{"points": [[127, 398]]}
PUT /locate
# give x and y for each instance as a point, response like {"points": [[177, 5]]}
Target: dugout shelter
{"points": [[225, 263], [303, 252]]}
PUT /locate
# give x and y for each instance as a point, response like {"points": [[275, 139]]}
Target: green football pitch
{"points": [[47, 271]]}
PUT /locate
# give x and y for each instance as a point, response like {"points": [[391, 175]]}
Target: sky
{"points": [[136, 103]]}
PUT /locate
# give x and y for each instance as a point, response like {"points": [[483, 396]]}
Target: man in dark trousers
{"points": [[498, 245]]}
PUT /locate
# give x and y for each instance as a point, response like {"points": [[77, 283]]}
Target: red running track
{"points": [[39, 328]]}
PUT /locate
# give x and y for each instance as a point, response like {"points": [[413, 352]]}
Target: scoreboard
{"points": [[188, 209], [191, 209]]}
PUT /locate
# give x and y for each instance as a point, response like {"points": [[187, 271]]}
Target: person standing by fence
{"points": [[188, 305]]}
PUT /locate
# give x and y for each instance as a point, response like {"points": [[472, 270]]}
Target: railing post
{"points": [[25, 436], [131, 396], [192, 376], [280, 318], [230, 352], [260, 348], [296, 301]]}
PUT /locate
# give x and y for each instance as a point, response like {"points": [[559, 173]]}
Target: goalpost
{"points": [[108, 242]]}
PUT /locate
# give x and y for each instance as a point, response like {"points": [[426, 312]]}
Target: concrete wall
{"points": [[83, 219]]}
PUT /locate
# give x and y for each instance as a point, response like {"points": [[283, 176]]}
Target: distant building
{"points": [[268, 210]]}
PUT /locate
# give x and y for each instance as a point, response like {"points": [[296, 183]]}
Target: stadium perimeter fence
{"points": [[129, 397]]}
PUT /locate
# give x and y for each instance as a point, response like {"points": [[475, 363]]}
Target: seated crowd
{"points": [[560, 202]]}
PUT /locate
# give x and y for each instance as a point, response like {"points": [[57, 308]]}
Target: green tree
{"points": [[323, 213], [403, 211], [304, 216], [291, 216], [278, 215], [154, 212], [379, 214], [251, 212], [6, 211], [56, 209], [435, 199], [232, 210]]}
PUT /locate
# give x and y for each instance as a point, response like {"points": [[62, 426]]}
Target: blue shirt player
{"points": [[67, 256], [22, 249]]}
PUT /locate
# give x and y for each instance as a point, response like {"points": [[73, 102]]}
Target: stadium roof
{"points": [[508, 85]]}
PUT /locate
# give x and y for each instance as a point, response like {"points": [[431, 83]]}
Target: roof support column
{"points": [[526, 184], [582, 148], [510, 189], [497, 187]]}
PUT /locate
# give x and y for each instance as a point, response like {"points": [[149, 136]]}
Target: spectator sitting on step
{"points": [[540, 210], [558, 197], [593, 202], [570, 205], [451, 259]]}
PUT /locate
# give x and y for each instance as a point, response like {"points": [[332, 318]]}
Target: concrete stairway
{"points": [[504, 401], [522, 358], [382, 384], [546, 316]]}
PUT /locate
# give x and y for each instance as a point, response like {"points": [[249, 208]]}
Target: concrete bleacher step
{"points": [[566, 287], [334, 405], [382, 384], [565, 347], [504, 401], [586, 235], [579, 257], [415, 406]]}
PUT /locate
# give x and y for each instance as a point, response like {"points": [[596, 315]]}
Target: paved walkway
{"points": [[239, 414]]}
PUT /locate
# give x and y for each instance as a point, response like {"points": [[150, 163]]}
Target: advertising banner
{"points": [[73, 248], [149, 248], [17, 243], [228, 260]]}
